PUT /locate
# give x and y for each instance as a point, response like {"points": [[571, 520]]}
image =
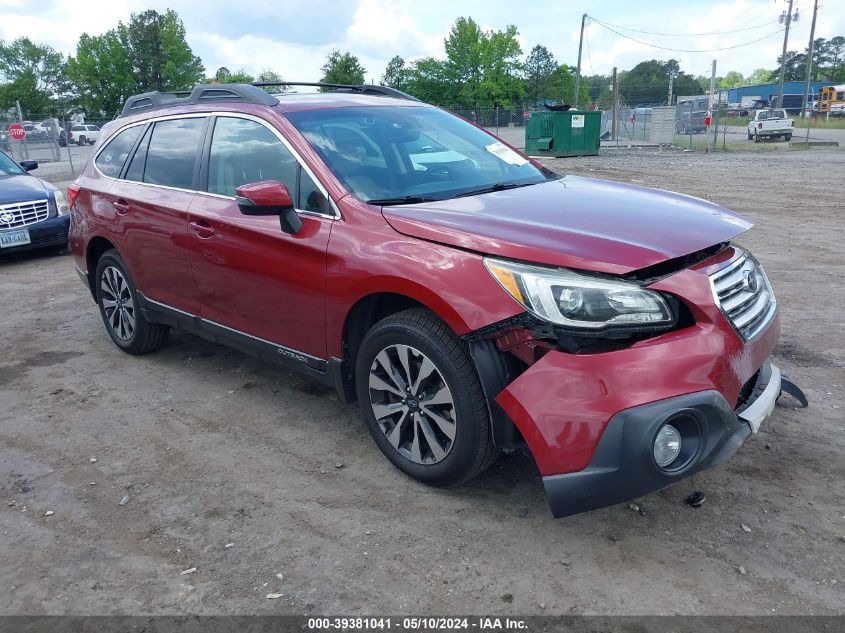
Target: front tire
{"points": [[422, 399], [120, 310]]}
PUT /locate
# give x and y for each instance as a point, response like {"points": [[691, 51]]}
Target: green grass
{"points": [[739, 121], [683, 142], [818, 123], [822, 123]]}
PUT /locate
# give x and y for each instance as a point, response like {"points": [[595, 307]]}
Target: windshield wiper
{"points": [[387, 202], [499, 186]]}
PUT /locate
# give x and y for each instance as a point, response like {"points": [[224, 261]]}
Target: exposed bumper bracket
{"points": [[787, 386]]}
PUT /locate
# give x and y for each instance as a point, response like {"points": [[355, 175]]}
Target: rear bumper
{"points": [[623, 466], [49, 233]]}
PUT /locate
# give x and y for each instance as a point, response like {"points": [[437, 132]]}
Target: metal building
{"points": [[768, 90]]}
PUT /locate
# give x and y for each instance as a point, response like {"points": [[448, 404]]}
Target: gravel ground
{"points": [[264, 484]]}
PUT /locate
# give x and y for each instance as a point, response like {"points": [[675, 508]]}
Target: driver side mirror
{"points": [[29, 165], [269, 197]]}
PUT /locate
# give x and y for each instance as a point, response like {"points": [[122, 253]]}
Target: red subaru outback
{"points": [[471, 300]]}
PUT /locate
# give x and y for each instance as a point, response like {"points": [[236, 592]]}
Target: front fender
{"points": [[366, 257]]}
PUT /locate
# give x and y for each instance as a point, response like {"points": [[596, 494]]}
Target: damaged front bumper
{"points": [[623, 466]]}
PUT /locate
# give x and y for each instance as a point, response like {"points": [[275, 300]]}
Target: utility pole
{"points": [[578, 68], [710, 108], [785, 18], [809, 69], [671, 86], [615, 88]]}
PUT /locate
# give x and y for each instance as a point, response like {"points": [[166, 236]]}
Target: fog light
{"points": [[667, 445]]}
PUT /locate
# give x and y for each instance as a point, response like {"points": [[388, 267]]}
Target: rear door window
{"points": [[110, 160], [172, 152]]}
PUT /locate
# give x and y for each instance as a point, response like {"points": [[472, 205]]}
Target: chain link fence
{"points": [[53, 142], [683, 125], [493, 117]]}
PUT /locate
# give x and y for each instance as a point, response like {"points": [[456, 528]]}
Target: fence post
{"points": [[25, 150], [615, 100]]}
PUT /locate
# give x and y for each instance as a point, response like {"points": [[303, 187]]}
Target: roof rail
{"points": [[367, 89], [202, 93]]}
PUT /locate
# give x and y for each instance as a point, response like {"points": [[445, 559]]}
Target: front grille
{"points": [[19, 214], [742, 290]]}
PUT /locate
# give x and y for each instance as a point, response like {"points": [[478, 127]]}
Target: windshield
{"points": [[396, 155], [8, 167]]}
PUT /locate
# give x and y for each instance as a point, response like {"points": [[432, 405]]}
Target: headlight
{"points": [[62, 207], [571, 299]]}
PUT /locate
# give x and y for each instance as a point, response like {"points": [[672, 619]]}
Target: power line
{"points": [[589, 59], [686, 50], [626, 28]]}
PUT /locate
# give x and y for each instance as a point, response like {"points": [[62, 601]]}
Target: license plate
{"points": [[14, 238]]}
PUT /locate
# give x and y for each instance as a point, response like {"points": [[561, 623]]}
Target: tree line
{"points": [[478, 68]]}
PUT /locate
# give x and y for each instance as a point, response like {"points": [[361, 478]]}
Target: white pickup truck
{"points": [[770, 123]]}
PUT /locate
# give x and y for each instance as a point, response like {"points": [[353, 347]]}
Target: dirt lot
{"points": [[214, 448]]}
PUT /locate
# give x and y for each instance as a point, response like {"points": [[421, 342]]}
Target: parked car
{"points": [[470, 306], [43, 133], [691, 122], [737, 109], [60, 134], [35, 134], [33, 213], [770, 124], [758, 104], [84, 134]]}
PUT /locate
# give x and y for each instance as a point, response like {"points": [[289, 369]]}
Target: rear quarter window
{"points": [[172, 153], [110, 160]]}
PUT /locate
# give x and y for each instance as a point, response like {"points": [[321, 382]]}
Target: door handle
{"points": [[121, 206], [202, 229]]}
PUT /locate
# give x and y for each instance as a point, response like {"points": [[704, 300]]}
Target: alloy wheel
{"points": [[412, 404], [118, 303]]}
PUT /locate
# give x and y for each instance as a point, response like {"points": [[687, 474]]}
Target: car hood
{"points": [[574, 222], [21, 188]]}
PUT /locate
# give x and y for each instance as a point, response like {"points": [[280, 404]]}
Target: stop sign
{"points": [[16, 131]]}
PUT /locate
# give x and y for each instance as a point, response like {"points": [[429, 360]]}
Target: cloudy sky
{"points": [[293, 37]]}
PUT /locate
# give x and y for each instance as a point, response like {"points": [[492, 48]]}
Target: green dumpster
{"points": [[563, 133]]}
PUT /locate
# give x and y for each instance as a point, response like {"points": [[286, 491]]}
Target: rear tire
{"points": [[82, 140], [750, 136], [787, 137], [756, 138], [416, 375], [120, 309]]}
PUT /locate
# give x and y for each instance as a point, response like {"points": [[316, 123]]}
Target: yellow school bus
{"points": [[832, 99]]}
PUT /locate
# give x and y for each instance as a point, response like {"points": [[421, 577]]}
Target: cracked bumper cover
{"points": [[623, 467], [589, 420]]}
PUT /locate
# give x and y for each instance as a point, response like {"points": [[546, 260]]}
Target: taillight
{"points": [[759, 126], [72, 193]]}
